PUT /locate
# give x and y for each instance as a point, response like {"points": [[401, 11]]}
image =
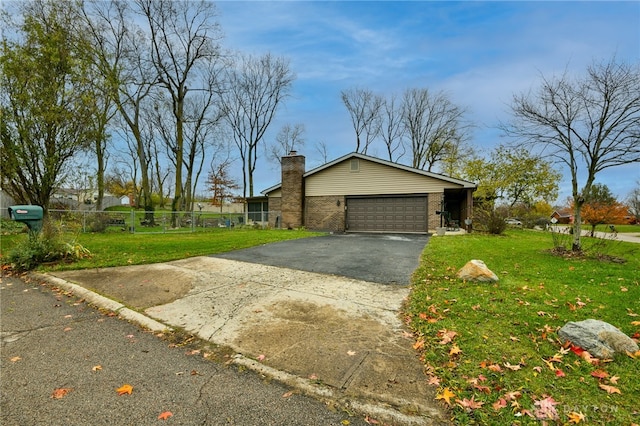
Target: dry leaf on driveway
{"points": [[125, 389], [60, 393]]}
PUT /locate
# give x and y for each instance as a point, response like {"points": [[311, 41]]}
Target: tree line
{"points": [[151, 73], [154, 74]]}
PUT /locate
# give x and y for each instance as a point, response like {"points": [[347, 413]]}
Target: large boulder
{"points": [[476, 270], [599, 338]]}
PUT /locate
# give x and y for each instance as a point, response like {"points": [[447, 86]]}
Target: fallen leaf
{"points": [[345, 422], [614, 379], [546, 408], [455, 350], [576, 418], [470, 404], [447, 336], [499, 404], [610, 389], [351, 353], [635, 323], [67, 329], [261, 357], [124, 389], [419, 344], [538, 369], [512, 367], [97, 368], [165, 415], [446, 394], [433, 380], [287, 394], [60, 393], [495, 367], [560, 373], [600, 374], [193, 352], [512, 396], [15, 359]]}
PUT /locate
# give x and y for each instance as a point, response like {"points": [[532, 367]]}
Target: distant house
{"points": [[359, 193], [562, 217]]}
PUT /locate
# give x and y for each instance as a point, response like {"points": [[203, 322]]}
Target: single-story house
{"points": [[360, 193]]}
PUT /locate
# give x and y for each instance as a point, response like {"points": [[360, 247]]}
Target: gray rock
{"points": [[476, 270], [599, 338]]}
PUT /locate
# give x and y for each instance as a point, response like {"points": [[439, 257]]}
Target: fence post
{"points": [[132, 228]]}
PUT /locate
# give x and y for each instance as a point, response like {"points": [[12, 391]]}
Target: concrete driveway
{"points": [[311, 313], [378, 258]]}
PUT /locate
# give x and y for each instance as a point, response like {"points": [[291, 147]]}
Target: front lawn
{"points": [[124, 248], [492, 350]]}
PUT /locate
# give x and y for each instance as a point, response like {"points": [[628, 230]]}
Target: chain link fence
{"points": [[136, 221]]}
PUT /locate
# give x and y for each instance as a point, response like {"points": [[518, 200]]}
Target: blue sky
{"points": [[479, 53]]}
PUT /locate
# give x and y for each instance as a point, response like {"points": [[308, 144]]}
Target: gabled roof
{"points": [[465, 184]]}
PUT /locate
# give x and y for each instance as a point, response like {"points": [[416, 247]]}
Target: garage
{"points": [[387, 214]]}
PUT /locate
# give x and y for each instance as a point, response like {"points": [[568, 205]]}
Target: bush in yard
{"points": [[489, 220], [43, 247]]}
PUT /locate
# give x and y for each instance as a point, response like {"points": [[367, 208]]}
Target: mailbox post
{"points": [[29, 215]]}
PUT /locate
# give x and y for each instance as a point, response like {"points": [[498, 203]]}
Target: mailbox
{"points": [[29, 215]]}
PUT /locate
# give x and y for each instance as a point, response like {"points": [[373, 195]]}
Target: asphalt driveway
{"points": [[378, 258]]}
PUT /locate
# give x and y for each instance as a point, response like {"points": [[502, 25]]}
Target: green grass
{"points": [[512, 324], [120, 249]]}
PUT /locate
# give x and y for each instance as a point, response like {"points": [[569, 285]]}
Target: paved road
{"points": [[52, 341], [378, 258]]}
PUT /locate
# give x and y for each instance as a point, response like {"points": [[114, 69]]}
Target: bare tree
{"points": [[434, 125], [185, 43], [589, 124], [290, 138], [364, 109], [321, 148], [392, 130], [256, 87], [121, 52]]}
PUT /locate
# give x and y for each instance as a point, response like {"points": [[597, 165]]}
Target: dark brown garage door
{"points": [[387, 214]]}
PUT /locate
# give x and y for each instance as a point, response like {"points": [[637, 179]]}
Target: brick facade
{"points": [[275, 212], [435, 204], [292, 200], [325, 213]]}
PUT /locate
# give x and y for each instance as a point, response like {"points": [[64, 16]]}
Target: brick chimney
{"points": [[292, 190]]}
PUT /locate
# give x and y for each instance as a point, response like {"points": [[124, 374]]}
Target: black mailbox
{"points": [[29, 215]]}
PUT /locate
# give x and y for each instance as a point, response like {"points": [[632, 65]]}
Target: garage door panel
{"points": [[397, 214]]}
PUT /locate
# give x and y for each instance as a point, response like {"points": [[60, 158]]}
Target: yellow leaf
{"points": [[455, 350], [124, 389], [446, 394], [576, 417], [97, 368], [635, 322], [15, 359]]}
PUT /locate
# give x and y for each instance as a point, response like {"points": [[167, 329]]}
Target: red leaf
{"points": [[165, 415], [600, 374], [60, 393], [559, 373], [576, 350]]}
